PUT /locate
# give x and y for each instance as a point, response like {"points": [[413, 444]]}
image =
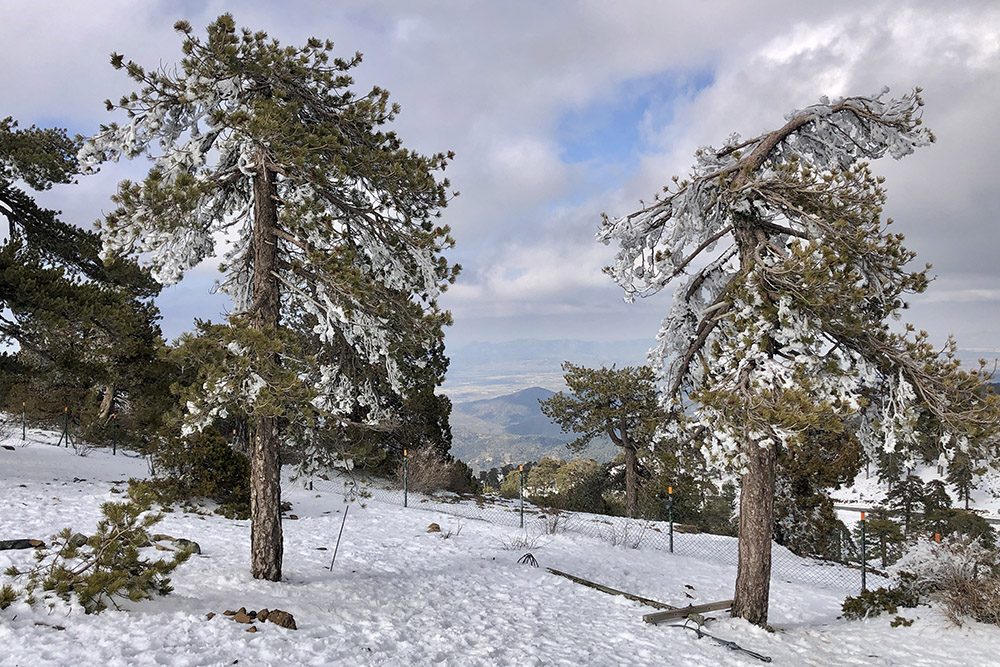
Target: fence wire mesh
{"points": [[616, 530]]}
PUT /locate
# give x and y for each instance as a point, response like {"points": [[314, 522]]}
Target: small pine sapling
{"points": [[106, 568]]}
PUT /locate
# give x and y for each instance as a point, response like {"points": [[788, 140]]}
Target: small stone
{"points": [[242, 610], [282, 618], [77, 540], [188, 545], [158, 537], [229, 612], [263, 614], [434, 528], [293, 517], [210, 615], [252, 628], [241, 617]]}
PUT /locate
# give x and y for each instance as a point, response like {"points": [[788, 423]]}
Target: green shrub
{"points": [[201, 465], [879, 601], [101, 569]]}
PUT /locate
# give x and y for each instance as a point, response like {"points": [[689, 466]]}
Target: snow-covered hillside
{"points": [[399, 595], [868, 491]]}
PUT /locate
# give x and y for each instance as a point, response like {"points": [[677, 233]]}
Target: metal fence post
{"points": [[24, 421], [405, 481], [66, 425], [520, 474], [864, 554], [670, 513], [114, 434]]}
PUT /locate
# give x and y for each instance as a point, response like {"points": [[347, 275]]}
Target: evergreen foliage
{"points": [[880, 601], [804, 519], [621, 404], [85, 327], [781, 326], [962, 474], [102, 569], [884, 535], [334, 260], [904, 499], [200, 465]]}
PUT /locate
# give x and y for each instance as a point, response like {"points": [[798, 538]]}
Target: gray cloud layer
{"points": [[559, 111]]}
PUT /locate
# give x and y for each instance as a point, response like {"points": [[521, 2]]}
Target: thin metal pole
{"points": [[66, 425], [114, 434], [670, 510], [520, 474], [24, 422], [337, 548], [864, 554], [406, 489]]}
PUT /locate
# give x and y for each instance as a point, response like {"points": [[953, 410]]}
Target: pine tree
{"points": [[86, 328], [334, 264], [961, 475], [781, 324], [904, 499], [621, 404], [804, 519]]}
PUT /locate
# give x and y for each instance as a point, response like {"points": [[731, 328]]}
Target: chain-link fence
{"points": [[616, 530], [537, 519]]}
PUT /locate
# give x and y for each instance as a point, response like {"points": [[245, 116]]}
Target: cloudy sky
{"points": [[559, 111]]}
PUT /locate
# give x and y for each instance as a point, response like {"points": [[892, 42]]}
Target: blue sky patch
{"points": [[613, 128]]}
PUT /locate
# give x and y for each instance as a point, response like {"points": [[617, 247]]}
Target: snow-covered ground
{"points": [[398, 595], [868, 491]]}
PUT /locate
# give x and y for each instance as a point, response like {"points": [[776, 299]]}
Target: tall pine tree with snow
{"points": [[85, 329], [333, 255], [785, 279]]}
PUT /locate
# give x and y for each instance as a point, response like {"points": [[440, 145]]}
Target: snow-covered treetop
{"points": [[359, 253], [785, 276], [659, 242]]}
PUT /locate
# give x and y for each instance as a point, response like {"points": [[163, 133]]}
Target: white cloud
{"points": [[491, 80]]}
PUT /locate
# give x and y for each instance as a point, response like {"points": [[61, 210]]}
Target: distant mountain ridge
{"points": [[490, 432], [482, 369]]}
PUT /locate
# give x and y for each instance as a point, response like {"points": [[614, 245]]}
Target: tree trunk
{"points": [[265, 464], [107, 404], [631, 480], [753, 573]]}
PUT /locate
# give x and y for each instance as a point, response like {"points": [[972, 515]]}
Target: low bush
{"points": [[962, 574], [427, 470], [879, 601], [200, 465], [101, 569]]}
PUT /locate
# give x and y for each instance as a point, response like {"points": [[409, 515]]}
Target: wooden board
{"points": [[612, 591], [660, 616]]}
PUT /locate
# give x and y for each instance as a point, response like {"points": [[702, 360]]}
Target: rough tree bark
{"points": [[107, 404], [631, 479], [753, 572], [265, 466]]}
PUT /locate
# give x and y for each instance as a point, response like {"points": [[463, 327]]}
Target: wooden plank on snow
{"points": [[612, 591], [682, 612]]}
